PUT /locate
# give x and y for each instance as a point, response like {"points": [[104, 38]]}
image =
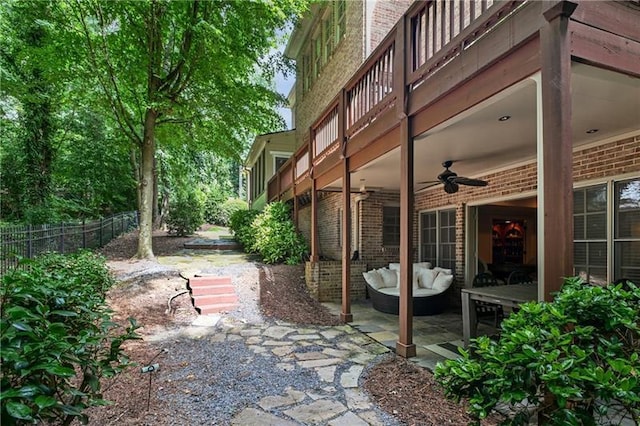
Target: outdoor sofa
{"points": [[429, 288]]}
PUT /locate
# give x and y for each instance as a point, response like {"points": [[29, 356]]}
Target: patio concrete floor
{"points": [[436, 337]]}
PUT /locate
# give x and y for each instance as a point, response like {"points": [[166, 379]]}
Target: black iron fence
{"points": [[31, 240]]}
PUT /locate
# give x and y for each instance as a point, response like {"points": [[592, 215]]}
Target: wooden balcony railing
{"points": [[440, 30], [325, 133], [371, 91], [435, 32], [302, 163]]}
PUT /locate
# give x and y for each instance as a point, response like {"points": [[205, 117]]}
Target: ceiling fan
{"points": [[451, 180]]}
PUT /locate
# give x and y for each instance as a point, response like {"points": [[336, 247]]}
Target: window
{"points": [[590, 233], [438, 238], [390, 226], [279, 161], [325, 38], [606, 226], [627, 230]]}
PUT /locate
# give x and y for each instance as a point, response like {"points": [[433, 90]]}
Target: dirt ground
{"points": [[397, 386]]}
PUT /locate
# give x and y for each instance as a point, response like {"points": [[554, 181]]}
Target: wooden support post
{"points": [[315, 256], [557, 155], [405, 346], [345, 315]]}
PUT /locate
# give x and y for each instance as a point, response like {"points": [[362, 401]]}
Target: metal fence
{"points": [[31, 240]]}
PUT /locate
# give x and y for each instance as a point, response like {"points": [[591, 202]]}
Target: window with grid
{"points": [[328, 39], [306, 72], [447, 240], [590, 233], [390, 226], [438, 238], [317, 57], [627, 230], [340, 19]]}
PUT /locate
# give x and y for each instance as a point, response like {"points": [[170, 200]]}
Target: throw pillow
{"points": [[374, 279], [389, 277], [394, 266], [443, 270], [426, 278], [442, 282]]}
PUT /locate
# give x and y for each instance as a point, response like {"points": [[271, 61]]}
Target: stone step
{"points": [[208, 281], [212, 299], [212, 289], [216, 308]]}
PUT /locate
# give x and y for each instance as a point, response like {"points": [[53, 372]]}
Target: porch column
{"points": [[315, 256], [405, 346], [555, 162], [345, 315], [314, 222]]}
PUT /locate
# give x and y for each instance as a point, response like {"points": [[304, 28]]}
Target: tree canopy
{"points": [[182, 76]]}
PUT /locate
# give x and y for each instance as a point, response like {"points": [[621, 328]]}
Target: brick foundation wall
{"points": [[324, 280]]}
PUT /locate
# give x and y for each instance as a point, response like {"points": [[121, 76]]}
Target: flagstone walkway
{"points": [[319, 366]]}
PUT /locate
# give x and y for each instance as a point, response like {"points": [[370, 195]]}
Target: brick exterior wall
{"points": [[384, 16], [324, 280], [607, 160], [346, 59]]}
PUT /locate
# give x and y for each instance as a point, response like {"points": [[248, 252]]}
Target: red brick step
{"points": [[216, 308], [212, 294]]}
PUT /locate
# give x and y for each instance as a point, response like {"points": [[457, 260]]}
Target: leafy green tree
{"points": [[27, 59], [194, 64]]}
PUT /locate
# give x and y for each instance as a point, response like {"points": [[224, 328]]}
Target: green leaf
{"points": [[22, 326], [19, 410], [43, 401]]}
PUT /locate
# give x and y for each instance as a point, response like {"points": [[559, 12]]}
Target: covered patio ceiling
{"points": [[478, 142]]}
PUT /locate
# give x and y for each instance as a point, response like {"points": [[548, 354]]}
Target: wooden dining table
{"points": [[505, 295]]}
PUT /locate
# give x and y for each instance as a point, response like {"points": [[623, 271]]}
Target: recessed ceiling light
{"points": [[590, 131], [504, 118]]}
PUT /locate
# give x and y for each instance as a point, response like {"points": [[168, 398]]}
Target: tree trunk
{"points": [[156, 201], [145, 249]]}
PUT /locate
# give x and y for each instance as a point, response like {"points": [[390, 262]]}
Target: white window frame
{"points": [[609, 181], [278, 154]]}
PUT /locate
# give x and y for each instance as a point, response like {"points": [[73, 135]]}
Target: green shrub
{"points": [[57, 339], [240, 224], [275, 235], [572, 358], [186, 213], [213, 207], [229, 207]]}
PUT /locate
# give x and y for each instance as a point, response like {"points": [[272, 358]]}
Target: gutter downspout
{"points": [[358, 200]]}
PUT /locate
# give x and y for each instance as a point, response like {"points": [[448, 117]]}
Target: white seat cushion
{"points": [[421, 292]]}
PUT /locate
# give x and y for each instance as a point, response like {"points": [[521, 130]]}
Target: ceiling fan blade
{"points": [[428, 182], [430, 185], [461, 180]]}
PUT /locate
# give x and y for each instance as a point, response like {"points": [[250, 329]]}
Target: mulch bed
{"points": [[399, 387]]}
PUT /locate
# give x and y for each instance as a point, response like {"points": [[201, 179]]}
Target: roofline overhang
{"points": [[259, 143], [301, 31]]}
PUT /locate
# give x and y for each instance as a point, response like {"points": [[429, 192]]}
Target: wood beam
{"points": [[405, 346], [604, 49], [375, 149], [613, 17], [430, 112], [345, 315], [556, 183], [315, 255], [330, 176]]}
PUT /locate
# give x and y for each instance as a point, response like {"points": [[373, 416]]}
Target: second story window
{"points": [[326, 36]]}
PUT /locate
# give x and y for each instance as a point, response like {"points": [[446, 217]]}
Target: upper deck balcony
{"points": [[407, 64]]}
